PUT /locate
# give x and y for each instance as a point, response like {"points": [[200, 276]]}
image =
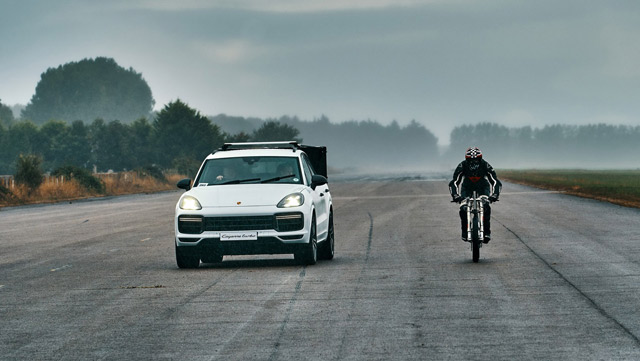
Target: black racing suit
{"points": [[475, 175]]}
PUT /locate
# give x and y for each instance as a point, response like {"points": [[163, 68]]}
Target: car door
{"points": [[320, 199]]}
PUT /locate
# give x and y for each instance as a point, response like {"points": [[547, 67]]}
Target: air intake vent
{"points": [[190, 224]]}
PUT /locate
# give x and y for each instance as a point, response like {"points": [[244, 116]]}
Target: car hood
{"points": [[243, 195]]}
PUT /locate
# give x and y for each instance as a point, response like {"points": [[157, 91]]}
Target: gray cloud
{"points": [[439, 62]]}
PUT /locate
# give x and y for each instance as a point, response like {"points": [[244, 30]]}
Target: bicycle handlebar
{"points": [[483, 198]]}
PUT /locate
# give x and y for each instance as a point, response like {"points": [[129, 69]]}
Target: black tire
{"points": [[475, 239], [327, 248], [476, 251], [475, 230], [309, 255], [186, 260]]}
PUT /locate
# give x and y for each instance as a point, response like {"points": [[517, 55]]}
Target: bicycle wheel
{"points": [[475, 241]]}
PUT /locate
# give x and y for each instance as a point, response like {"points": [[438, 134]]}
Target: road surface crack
{"points": [[358, 283], [283, 325], [593, 303]]}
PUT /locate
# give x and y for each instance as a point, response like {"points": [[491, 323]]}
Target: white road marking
{"points": [[66, 266], [144, 240]]}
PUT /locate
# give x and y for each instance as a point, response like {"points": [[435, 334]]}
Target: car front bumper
{"points": [[263, 245], [274, 236]]}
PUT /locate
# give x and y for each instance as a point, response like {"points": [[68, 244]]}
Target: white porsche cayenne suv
{"points": [[256, 198]]}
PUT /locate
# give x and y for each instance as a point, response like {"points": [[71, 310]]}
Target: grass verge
{"points": [[620, 187], [114, 184]]}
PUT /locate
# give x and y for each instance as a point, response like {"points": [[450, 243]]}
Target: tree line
{"points": [[357, 145], [551, 146], [95, 114], [178, 137], [371, 146]]}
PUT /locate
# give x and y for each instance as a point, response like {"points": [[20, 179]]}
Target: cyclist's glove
{"points": [[457, 198], [493, 198]]}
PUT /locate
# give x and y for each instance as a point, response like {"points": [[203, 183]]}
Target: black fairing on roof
{"points": [[318, 158]]}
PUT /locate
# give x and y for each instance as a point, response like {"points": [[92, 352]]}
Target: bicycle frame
{"points": [[474, 206]]}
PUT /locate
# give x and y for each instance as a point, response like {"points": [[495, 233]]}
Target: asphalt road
{"points": [[97, 280]]}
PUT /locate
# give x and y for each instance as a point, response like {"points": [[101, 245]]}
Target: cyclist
{"points": [[475, 174]]}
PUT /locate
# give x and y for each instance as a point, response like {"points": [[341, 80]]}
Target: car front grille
{"points": [[282, 222], [239, 223]]}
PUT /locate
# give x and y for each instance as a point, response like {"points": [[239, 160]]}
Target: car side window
{"points": [[308, 171]]}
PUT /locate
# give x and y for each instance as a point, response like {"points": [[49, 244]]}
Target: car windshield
{"points": [[246, 170]]}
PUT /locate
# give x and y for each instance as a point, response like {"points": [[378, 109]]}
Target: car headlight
{"points": [[190, 203], [292, 200]]}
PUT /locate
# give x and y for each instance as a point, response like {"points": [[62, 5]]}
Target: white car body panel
{"points": [[249, 195], [256, 199]]}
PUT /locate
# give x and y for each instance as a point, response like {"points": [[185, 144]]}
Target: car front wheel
{"points": [[310, 253], [327, 248]]}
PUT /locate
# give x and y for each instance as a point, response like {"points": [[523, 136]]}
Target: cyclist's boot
{"points": [[463, 224], [487, 227]]}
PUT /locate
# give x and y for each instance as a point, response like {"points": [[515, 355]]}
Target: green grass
{"points": [[616, 186]]}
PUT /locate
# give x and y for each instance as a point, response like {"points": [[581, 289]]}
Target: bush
{"points": [[186, 166], [151, 171], [82, 176], [29, 171], [5, 193]]}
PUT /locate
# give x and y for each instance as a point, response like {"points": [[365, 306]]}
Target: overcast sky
{"points": [[440, 62]]}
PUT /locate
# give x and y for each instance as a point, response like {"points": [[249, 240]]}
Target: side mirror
{"points": [[317, 180], [184, 184]]}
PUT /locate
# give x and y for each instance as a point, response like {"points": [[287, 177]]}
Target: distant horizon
{"points": [[443, 63], [442, 145]]}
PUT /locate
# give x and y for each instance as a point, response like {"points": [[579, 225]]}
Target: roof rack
{"points": [[293, 145]]}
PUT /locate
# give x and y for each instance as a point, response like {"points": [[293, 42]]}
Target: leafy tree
{"points": [[181, 132], [55, 138], [21, 138], [29, 171], [78, 146], [3, 141], [6, 115], [186, 165], [237, 138], [90, 89], [275, 131], [141, 142], [62, 144], [235, 125], [3, 150], [110, 145], [97, 141]]}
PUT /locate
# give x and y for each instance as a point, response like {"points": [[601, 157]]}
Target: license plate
{"points": [[238, 236]]}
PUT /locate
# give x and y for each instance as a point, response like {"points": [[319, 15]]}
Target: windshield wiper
{"points": [[278, 178], [237, 181]]}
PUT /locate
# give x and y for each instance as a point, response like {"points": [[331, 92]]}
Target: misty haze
{"points": [[352, 242], [535, 84]]}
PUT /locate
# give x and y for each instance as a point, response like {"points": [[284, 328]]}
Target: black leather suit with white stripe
{"points": [[475, 175]]}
